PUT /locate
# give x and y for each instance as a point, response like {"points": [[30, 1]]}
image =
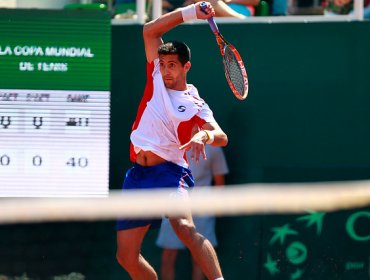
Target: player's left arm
{"points": [[213, 130], [210, 133]]}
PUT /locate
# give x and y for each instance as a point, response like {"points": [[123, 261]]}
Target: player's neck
{"points": [[181, 87]]}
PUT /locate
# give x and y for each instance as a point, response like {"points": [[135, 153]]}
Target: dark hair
{"points": [[175, 47]]}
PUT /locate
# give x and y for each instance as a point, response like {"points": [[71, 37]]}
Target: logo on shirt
{"points": [[181, 108]]}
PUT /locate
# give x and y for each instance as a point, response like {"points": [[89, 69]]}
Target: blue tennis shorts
{"points": [[164, 175]]}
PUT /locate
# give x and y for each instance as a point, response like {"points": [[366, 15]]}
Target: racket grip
{"points": [[213, 25], [211, 20]]}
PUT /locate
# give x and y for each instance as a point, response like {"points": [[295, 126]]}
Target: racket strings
{"points": [[233, 72]]}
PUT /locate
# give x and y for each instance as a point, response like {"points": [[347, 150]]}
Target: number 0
{"points": [[82, 162], [37, 161], [4, 160]]}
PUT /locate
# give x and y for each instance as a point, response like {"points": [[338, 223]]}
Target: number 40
{"points": [[78, 162]]}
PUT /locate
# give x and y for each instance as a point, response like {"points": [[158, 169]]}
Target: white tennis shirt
{"points": [[165, 118]]}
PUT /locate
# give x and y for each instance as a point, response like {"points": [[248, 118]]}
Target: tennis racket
{"points": [[235, 72]]}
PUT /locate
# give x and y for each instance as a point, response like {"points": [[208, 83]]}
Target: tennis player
{"points": [[161, 134]]}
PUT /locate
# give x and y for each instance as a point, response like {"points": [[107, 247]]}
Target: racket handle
{"points": [[211, 20]]}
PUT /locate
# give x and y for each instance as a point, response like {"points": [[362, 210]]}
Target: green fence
{"points": [[306, 117]]}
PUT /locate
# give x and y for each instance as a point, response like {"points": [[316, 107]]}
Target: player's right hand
{"points": [[206, 12]]}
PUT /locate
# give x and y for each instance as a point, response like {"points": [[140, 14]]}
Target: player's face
{"points": [[173, 72]]}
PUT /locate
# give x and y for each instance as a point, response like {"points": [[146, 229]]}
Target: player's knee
{"points": [[127, 261], [185, 230]]}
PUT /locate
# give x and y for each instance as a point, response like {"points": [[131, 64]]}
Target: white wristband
{"points": [[189, 13], [211, 137]]}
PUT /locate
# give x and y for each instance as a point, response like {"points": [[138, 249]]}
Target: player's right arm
{"points": [[154, 29]]}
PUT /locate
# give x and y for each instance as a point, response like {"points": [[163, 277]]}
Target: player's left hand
{"points": [[196, 145]]}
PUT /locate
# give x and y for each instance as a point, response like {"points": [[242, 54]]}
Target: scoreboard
{"points": [[54, 103]]}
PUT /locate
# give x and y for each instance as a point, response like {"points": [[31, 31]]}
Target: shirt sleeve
{"points": [[206, 114]]}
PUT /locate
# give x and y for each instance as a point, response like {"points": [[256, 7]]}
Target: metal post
{"points": [[140, 10], [157, 8], [358, 9]]}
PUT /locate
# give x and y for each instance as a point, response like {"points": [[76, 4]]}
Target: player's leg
{"points": [[128, 254], [168, 264], [200, 247], [197, 273], [205, 225]]}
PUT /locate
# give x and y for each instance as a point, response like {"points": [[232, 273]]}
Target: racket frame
{"points": [[222, 43]]}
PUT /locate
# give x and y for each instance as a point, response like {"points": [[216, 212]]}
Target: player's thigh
{"points": [[129, 241]]}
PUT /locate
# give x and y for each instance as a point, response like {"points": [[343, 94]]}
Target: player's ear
{"points": [[187, 66]]}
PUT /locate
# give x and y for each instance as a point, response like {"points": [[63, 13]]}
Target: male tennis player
{"points": [[161, 134]]}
